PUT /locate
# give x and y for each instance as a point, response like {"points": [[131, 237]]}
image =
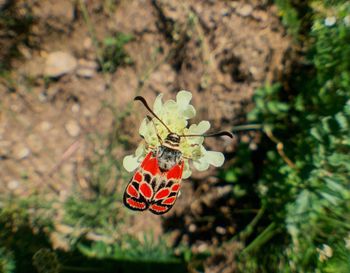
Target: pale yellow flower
{"points": [[347, 241], [325, 253], [175, 114]]}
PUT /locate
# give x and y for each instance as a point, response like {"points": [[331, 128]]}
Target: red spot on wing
{"points": [[150, 164], [162, 193], [158, 209], [132, 191], [176, 171], [138, 177], [169, 201], [135, 204], [145, 160], [146, 190], [175, 187]]}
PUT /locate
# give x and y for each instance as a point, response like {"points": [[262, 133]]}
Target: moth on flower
{"points": [[162, 160]]}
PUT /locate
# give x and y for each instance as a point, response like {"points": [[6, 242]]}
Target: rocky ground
{"points": [[63, 91]]}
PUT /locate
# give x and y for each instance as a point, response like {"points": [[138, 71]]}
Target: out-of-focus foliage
{"points": [[131, 248], [21, 225], [17, 25], [7, 264], [289, 16], [305, 183]]}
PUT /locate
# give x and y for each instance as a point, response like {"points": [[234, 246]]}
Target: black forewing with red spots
{"points": [[152, 189]]}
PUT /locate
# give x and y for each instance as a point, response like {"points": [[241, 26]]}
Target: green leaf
{"points": [[342, 121], [231, 176], [316, 134]]}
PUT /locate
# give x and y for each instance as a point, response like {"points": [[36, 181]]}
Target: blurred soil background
{"points": [[69, 71]]}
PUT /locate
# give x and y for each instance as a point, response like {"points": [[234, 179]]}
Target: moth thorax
{"points": [[172, 140], [168, 157]]}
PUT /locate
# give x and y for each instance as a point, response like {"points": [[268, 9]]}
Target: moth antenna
{"points": [[222, 133], [144, 102]]}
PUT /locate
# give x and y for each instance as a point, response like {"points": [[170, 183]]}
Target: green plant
{"points": [[304, 186], [130, 248], [15, 30], [114, 53], [7, 263], [289, 16]]}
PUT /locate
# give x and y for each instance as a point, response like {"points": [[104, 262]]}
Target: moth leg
{"points": [[149, 147], [194, 145]]}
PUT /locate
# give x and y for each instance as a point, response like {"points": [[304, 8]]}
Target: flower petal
{"points": [[143, 128], [199, 129], [189, 112], [201, 164], [183, 98], [186, 174], [140, 151], [130, 163], [214, 158], [170, 106], [158, 104], [187, 170], [178, 125], [150, 134]]}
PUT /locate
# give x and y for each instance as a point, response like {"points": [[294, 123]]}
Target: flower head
{"points": [[325, 252], [330, 21], [175, 115]]}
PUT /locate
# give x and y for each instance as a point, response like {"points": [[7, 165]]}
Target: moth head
{"points": [[173, 138]]}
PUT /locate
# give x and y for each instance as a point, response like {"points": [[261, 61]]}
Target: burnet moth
{"points": [[156, 183]]}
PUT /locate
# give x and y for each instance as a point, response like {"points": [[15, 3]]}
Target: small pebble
{"points": [[202, 248], [75, 108], [245, 10], [45, 126], [85, 72], [72, 128], [87, 43], [253, 146], [13, 184], [86, 68], [59, 63], [192, 228], [87, 64], [220, 230], [20, 152]]}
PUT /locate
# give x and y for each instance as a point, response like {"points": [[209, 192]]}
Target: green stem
{"points": [[262, 238], [335, 221], [250, 227]]}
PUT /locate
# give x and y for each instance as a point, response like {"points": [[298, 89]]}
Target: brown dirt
{"points": [[221, 51]]}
